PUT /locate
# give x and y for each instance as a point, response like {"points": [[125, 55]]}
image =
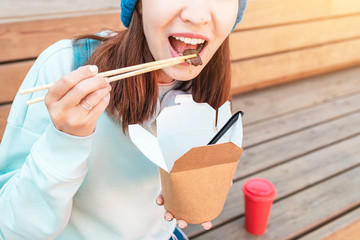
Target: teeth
{"points": [[188, 41], [192, 41]]}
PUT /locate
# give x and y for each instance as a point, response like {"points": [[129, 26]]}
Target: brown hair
{"points": [[134, 100]]}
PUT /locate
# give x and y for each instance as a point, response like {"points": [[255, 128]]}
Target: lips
{"points": [[181, 42]]}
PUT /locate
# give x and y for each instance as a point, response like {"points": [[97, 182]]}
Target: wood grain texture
{"points": [[344, 227], [269, 70], [263, 13], [18, 10], [24, 40], [352, 231], [271, 40], [299, 120], [280, 100], [4, 112], [299, 212], [296, 144]]}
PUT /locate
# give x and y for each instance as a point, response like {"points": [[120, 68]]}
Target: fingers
{"points": [[78, 122], [77, 100], [94, 98], [68, 81], [89, 88], [181, 224], [100, 106], [206, 225], [160, 200], [168, 216]]}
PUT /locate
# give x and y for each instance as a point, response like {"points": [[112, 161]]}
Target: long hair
{"points": [[134, 100]]}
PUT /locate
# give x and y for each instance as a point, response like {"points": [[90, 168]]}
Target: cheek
{"points": [[157, 13], [226, 17]]}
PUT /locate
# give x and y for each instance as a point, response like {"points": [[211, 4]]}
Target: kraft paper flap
{"points": [[207, 156], [181, 128], [197, 196]]}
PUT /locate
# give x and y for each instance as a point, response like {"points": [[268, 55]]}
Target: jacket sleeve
{"points": [[41, 168]]}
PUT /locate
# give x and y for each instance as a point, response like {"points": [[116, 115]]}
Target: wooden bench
{"points": [[277, 41]]}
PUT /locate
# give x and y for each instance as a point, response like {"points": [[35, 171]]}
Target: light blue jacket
{"points": [[54, 185]]}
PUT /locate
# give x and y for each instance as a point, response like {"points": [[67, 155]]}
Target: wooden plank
{"points": [[350, 232], [301, 211], [258, 42], [269, 70], [38, 8], [26, 40], [12, 75], [340, 228], [291, 177], [303, 118], [294, 145], [4, 112], [276, 101], [262, 13]]}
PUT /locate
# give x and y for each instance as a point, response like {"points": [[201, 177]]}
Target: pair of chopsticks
{"points": [[118, 74]]}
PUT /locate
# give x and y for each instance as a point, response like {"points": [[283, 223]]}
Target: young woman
{"points": [[68, 168]]}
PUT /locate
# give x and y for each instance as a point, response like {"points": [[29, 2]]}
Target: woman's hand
{"points": [[77, 100], [180, 223]]}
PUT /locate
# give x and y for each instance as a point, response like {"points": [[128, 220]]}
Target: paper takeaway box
{"points": [[195, 177]]}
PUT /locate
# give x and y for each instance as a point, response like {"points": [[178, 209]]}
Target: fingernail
{"points": [[93, 68], [181, 225], [168, 218], [107, 80], [206, 227], [158, 201]]}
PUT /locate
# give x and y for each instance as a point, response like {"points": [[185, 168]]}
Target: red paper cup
{"points": [[259, 195]]}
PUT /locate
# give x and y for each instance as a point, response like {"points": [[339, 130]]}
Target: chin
{"points": [[183, 74]]}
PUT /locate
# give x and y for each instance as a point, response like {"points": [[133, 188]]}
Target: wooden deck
{"points": [[304, 137]]}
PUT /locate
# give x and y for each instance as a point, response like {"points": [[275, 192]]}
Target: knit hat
{"points": [[128, 6]]}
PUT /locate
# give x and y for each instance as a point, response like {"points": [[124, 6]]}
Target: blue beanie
{"points": [[128, 6]]}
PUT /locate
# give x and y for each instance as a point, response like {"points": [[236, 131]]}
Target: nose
{"points": [[197, 12]]}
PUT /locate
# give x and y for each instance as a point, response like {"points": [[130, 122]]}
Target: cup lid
{"points": [[259, 189]]}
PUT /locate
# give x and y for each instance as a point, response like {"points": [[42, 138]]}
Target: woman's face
{"points": [[171, 26]]}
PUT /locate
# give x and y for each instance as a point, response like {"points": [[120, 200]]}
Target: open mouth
{"points": [[180, 44]]}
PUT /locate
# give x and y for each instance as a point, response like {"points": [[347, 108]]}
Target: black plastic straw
{"points": [[226, 127]]}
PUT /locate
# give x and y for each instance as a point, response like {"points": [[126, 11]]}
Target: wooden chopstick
{"points": [[118, 71], [130, 72]]}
